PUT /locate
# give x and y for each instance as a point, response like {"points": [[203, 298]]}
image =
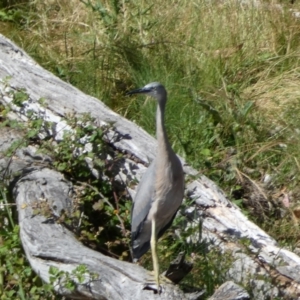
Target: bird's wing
{"points": [[143, 199]]}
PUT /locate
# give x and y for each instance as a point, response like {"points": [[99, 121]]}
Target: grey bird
{"points": [[160, 192]]}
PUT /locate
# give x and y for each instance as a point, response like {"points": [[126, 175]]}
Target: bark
{"points": [[229, 291], [48, 243]]}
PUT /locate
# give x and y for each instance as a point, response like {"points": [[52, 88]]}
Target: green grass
{"points": [[17, 279], [231, 71]]}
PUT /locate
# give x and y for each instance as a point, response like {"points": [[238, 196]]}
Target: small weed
{"points": [[19, 97], [87, 160], [70, 280]]}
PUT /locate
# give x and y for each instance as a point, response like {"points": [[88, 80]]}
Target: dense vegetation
{"points": [[232, 72]]}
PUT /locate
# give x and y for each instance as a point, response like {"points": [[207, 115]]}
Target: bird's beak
{"points": [[139, 91]]}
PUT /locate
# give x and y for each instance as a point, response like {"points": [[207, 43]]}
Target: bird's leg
{"points": [[153, 244]]}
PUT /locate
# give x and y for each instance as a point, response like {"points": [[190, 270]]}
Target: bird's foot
{"points": [[156, 285]]}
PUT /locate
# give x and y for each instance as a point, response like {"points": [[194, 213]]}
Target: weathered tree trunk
{"points": [[47, 243]]}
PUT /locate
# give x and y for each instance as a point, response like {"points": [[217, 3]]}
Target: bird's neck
{"points": [[161, 134]]}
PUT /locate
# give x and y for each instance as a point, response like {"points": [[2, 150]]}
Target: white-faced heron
{"points": [[160, 192]]}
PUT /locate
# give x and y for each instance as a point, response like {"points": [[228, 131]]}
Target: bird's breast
{"points": [[169, 189]]}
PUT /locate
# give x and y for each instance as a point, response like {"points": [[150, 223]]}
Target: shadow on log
{"points": [[48, 243]]}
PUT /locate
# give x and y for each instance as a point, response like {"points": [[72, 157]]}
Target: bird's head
{"points": [[154, 89]]}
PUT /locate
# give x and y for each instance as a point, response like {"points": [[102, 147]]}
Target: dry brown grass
{"points": [[274, 95], [205, 26]]}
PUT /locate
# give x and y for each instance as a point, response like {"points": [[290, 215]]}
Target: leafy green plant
{"points": [[70, 280], [86, 159], [14, 11]]}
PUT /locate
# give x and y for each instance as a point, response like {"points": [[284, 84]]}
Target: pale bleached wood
{"points": [[223, 224], [230, 291]]}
